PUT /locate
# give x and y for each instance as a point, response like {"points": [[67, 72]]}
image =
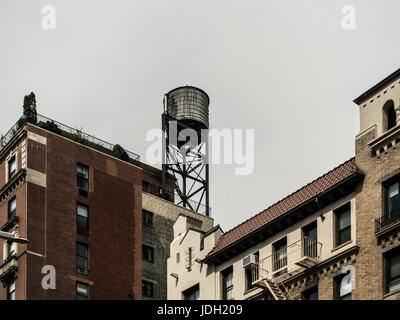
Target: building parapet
{"points": [[72, 134]]}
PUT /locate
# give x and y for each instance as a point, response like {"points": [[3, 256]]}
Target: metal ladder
{"points": [[278, 290]]}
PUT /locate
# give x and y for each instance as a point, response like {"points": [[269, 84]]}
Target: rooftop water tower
{"points": [[186, 159]]}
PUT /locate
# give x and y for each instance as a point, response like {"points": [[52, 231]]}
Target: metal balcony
{"points": [[385, 224], [288, 261]]}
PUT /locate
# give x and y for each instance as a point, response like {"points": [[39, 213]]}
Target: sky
{"points": [[287, 69]]}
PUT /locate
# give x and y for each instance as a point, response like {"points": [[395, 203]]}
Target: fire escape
{"points": [[272, 272]]}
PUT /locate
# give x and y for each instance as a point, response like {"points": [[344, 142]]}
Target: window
{"points": [[393, 272], [392, 200], [147, 289], [249, 272], [11, 248], [12, 207], [343, 224], [12, 167], [311, 294], [148, 253], [145, 186], [280, 254], [227, 284], [389, 116], [147, 217], [193, 293], [82, 256], [11, 291], [178, 257], [82, 177], [343, 287], [82, 291], [310, 245], [82, 221]]}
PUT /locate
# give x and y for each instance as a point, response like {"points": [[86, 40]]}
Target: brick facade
{"points": [[46, 209]]}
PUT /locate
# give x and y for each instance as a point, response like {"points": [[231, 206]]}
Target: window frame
{"points": [[144, 257], [11, 248], [147, 217], [306, 294], [10, 173], [82, 217], [249, 275], [78, 294], [388, 278], [145, 186], [80, 177], [346, 208], [145, 287], [338, 280], [82, 257], [225, 287], [12, 213], [387, 213], [276, 247], [188, 293]]}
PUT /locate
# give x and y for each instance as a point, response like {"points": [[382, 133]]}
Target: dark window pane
{"points": [[344, 220], [343, 224], [147, 289], [227, 284], [82, 262], [82, 216], [280, 254], [82, 256], [83, 177], [145, 186], [192, 293], [12, 207], [148, 253], [344, 235], [12, 167], [147, 217], [81, 291], [311, 294], [391, 118], [394, 272], [394, 200], [82, 223], [395, 266]]}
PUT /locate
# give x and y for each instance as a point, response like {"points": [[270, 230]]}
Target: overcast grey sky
{"points": [[285, 68]]}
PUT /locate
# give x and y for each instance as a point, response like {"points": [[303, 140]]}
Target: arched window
{"points": [[389, 116]]}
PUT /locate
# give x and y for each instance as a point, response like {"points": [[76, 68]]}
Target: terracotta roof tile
{"points": [[292, 201]]}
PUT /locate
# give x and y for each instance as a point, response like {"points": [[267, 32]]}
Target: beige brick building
{"points": [[335, 238]]}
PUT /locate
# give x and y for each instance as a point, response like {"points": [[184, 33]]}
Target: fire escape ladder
{"points": [[278, 290]]}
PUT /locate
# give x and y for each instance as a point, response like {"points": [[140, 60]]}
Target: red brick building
{"points": [[79, 206]]}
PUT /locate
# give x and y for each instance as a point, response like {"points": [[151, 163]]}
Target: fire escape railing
{"points": [[287, 259]]}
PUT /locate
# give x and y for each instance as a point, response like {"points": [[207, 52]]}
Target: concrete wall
{"points": [[160, 235], [371, 110], [198, 273], [209, 277]]}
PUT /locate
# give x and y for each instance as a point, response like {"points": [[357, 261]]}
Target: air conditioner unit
{"points": [[249, 260]]}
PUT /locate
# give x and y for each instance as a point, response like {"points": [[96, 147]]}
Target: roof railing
{"points": [[69, 133]]}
